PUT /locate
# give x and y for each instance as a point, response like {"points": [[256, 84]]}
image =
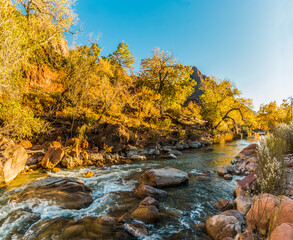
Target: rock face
{"points": [[12, 160], [164, 177], [68, 193], [146, 214], [52, 157], [146, 190], [221, 226], [113, 135]]}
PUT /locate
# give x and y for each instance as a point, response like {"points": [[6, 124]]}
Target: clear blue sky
{"points": [[249, 42]]}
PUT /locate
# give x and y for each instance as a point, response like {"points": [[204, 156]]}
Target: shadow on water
{"points": [[113, 192]]}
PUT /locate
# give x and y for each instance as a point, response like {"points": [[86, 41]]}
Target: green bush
{"points": [[18, 122]]}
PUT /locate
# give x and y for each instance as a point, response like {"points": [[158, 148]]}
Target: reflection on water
{"points": [[112, 188]]}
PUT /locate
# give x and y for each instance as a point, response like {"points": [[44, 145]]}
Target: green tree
{"points": [[122, 56]]}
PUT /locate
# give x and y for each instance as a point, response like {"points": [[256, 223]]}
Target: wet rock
{"points": [[146, 214], [175, 152], [226, 169], [55, 170], [146, 190], [164, 177], [194, 145], [52, 157], [221, 226], [115, 136], [284, 232], [66, 229], [20, 220], [13, 158], [228, 177], [71, 162], [125, 218], [107, 221], [138, 158], [246, 184], [68, 193], [225, 204], [169, 156], [137, 230], [149, 201], [243, 204], [96, 157]]}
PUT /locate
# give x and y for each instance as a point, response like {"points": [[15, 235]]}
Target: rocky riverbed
{"points": [[114, 202]]}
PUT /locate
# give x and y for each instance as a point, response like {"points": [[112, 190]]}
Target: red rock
{"points": [[245, 184], [282, 232]]}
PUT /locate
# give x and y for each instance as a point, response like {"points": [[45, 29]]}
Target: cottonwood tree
{"points": [[222, 105], [167, 78]]}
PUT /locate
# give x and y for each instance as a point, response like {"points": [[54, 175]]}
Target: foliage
{"points": [[222, 106], [167, 78], [271, 165], [122, 56], [285, 132], [269, 115], [19, 122]]}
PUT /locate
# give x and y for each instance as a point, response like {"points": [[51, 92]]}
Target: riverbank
{"points": [[251, 215]]}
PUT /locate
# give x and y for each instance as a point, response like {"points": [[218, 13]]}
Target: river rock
{"points": [[146, 214], [13, 158], [284, 232], [131, 150], [245, 185], [67, 229], [194, 145], [149, 201], [235, 213], [52, 157], [68, 193], [71, 162], [169, 156], [221, 226], [115, 136], [175, 152], [243, 204], [136, 229], [20, 220], [138, 158], [146, 190], [226, 169], [164, 177], [228, 177], [225, 204]]}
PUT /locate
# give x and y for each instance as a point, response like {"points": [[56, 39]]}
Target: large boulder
{"points": [[146, 190], [68, 193], [284, 232], [146, 214], [164, 177], [52, 157], [221, 226], [261, 210], [115, 136], [13, 158]]}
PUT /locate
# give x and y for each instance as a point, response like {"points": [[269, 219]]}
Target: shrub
{"points": [[17, 122], [271, 165], [285, 131]]}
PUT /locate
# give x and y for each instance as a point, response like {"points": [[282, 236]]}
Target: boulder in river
{"points": [[52, 157], [164, 177], [149, 201], [13, 158], [146, 214], [146, 190], [225, 204], [136, 229], [226, 169], [68, 193]]}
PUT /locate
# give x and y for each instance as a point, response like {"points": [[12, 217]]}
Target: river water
{"points": [[113, 187]]}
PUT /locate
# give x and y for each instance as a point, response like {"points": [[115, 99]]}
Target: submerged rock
{"points": [[146, 190], [68, 193], [164, 177], [66, 229], [146, 214], [13, 158]]}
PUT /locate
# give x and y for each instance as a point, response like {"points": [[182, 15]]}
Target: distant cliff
{"points": [[198, 77]]}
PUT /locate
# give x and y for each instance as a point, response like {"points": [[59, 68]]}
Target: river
{"points": [[112, 188]]}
